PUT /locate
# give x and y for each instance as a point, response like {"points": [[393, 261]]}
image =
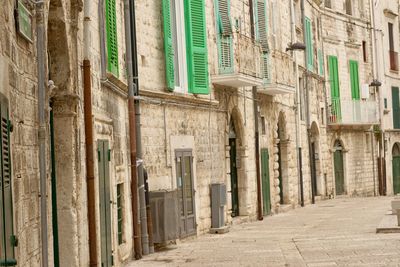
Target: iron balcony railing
{"points": [[240, 54], [353, 112], [394, 60]]}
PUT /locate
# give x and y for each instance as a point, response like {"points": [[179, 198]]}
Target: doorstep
{"points": [[388, 224]]}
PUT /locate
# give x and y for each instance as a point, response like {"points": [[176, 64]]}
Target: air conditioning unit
{"points": [[164, 210]]}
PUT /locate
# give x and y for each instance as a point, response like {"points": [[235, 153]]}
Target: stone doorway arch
{"points": [[317, 185]]}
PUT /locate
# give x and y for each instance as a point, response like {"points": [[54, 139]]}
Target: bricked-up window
{"points": [[328, 4], [120, 212], [185, 44], [364, 48], [7, 238], [349, 8], [263, 130]]}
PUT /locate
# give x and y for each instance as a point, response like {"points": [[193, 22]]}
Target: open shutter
{"points": [[396, 107], [309, 44], [7, 233], [112, 40], [354, 80], [196, 45], [224, 20], [168, 45], [266, 70], [261, 26]]}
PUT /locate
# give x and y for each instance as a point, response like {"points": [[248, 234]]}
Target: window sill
{"points": [[115, 84], [184, 97]]}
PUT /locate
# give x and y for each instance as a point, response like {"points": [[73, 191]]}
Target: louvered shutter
{"points": [[354, 80], [224, 20], [261, 26], [309, 44], [266, 70], [396, 107], [225, 58], [168, 45], [112, 39], [196, 40], [335, 90], [8, 238]]}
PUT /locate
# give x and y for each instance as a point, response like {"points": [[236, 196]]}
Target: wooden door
{"points": [[185, 187], [105, 203], [265, 182], [234, 178], [339, 172], [396, 169]]}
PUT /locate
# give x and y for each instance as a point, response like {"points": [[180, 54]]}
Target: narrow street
{"points": [[339, 232]]}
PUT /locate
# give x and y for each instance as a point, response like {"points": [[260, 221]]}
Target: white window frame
{"points": [[179, 29]]}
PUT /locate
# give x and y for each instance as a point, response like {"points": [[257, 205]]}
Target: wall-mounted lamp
{"points": [[296, 46], [376, 83]]}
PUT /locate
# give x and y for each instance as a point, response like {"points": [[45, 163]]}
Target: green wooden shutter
{"points": [[267, 73], [224, 37], [335, 90], [112, 39], [354, 80], [396, 107], [8, 240], [196, 46], [168, 46], [309, 44], [261, 24]]}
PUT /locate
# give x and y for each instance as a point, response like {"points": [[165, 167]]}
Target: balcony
{"points": [[353, 113], [240, 62], [394, 60]]}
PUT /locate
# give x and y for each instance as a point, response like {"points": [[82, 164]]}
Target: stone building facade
{"points": [[213, 76]]}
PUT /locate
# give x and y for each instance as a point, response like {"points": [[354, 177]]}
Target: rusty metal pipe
{"points": [[90, 179]]}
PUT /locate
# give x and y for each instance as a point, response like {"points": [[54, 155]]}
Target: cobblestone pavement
{"points": [[338, 232]]}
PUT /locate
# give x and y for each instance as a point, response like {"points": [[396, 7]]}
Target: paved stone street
{"points": [[338, 232]]}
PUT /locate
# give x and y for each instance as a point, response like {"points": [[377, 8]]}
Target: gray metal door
{"points": [[185, 188], [105, 203]]}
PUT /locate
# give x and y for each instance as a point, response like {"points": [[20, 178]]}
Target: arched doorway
{"points": [[234, 170], [396, 168], [338, 167], [316, 186], [282, 147]]}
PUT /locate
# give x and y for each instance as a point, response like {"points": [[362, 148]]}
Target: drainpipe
{"points": [[377, 75], [135, 77], [41, 61], [308, 105], [298, 135], [256, 128], [132, 132], [88, 119]]}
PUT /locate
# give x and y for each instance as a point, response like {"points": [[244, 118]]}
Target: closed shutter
{"points": [[354, 80], [335, 90], [396, 107], [168, 45], [266, 70], [112, 39], [196, 40], [261, 25], [224, 38], [224, 20], [309, 44], [7, 236]]}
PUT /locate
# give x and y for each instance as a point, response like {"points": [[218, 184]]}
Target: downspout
{"points": [[256, 130], [41, 61], [135, 77], [297, 108], [132, 132], [88, 119], [377, 75], [308, 105]]}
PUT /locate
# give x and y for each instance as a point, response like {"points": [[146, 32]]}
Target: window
{"points": [[309, 45], [322, 116], [7, 238], [335, 108], [349, 9], [112, 39], [364, 48], [396, 107], [328, 4], [224, 36], [391, 43], [385, 103], [185, 44], [354, 80], [120, 213], [393, 56], [261, 32]]}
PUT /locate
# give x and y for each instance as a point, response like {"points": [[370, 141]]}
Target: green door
{"points": [[265, 181], [339, 172], [234, 179], [280, 172], [396, 169], [105, 203]]}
